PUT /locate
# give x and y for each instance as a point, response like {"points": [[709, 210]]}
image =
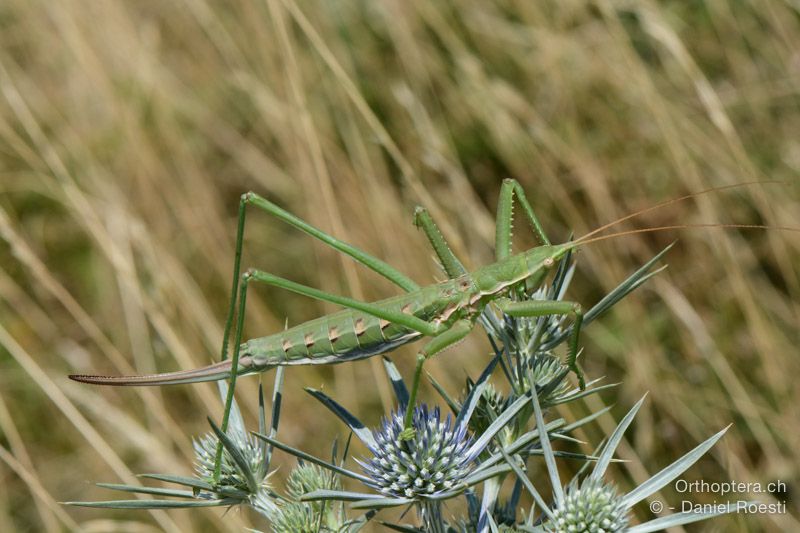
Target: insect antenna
{"points": [[671, 201], [585, 240]]}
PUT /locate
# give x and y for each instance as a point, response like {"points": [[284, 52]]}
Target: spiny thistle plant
{"points": [[495, 431], [436, 459], [295, 516]]}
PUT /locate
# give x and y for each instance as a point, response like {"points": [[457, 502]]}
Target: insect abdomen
{"points": [[343, 335], [347, 335]]}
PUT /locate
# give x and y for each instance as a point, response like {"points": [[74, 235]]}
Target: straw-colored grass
{"points": [[128, 130]]}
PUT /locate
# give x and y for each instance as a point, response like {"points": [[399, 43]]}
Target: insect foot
{"points": [[407, 434]]}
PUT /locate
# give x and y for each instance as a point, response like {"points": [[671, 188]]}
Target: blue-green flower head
{"points": [[205, 451], [592, 507], [436, 460]]}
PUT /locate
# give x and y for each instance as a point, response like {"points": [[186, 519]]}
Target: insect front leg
{"points": [[505, 217], [536, 308], [440, 342]]}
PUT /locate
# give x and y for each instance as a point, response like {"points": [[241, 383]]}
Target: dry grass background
{"points": [[129, 129]]}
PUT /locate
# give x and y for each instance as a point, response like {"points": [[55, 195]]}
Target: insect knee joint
{"points": [[418, 211]]}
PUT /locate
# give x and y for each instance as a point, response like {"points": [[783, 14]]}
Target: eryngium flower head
{"points": [[307, 477], [594, 507], [435, 460], [490, 406], [294, 516], [550, 377], [205, 451], [547, 368]]}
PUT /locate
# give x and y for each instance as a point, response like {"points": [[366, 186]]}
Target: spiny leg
{"points": [[505, 216], [444, 340], [362, 257], [536, 308], [359, 255], [452, 266], [393, 316], [234, 370], [369, 261]]}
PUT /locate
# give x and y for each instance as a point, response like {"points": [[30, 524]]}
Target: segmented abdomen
{"points": [[346, 335]]}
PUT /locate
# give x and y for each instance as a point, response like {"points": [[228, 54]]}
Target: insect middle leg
{"points": [[452, 266], [439, 343], [536, 308]]}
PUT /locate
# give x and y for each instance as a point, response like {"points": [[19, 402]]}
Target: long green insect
{"points": [[444, 312]]}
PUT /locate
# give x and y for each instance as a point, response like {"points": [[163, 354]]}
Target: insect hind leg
{"points": [[362, 257]]}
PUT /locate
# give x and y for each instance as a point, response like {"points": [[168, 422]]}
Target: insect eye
{"points": [[549, 262]]}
